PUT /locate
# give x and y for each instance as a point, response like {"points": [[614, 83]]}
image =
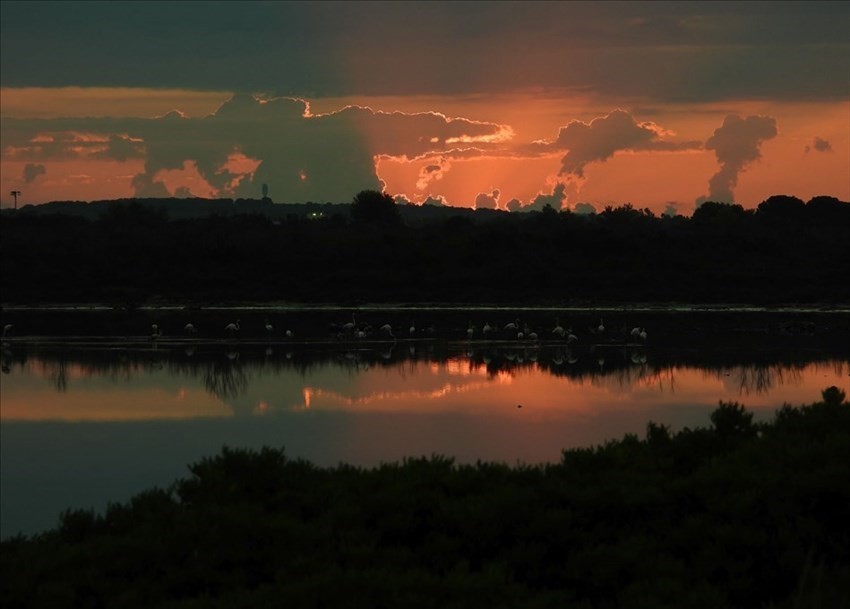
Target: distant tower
{"points": [[15, 194], [265, 191]]}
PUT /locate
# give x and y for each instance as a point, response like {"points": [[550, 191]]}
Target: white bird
{"points": [[7, 329], [412, 329], [232, 328], [487, 328], [571, 338], [514, 325], [558, 329], [387, 329], [269, 327], [470, 330], [643, 334], [156, 333], [289, 334], [189, 329], [601, 327], [635, 332], [350, 326]]}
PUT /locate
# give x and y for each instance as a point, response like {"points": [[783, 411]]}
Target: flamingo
{"points": [[387, 329], [7, 329], [601, 327], [232, 328], [350, 326], [643, 334], [487, 328], [514, 325], [190, 329], [635, 332], [412, 329], [269, 328], [558, 329], [470, 330], [156, 333], [571, 338], [289, 334]]}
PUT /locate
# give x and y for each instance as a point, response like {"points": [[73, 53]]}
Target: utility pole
{"points": [[15, 194]]}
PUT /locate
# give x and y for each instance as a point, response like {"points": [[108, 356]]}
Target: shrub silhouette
{"points": [[759, 522]]}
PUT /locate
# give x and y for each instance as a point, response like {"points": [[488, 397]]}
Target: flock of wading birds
{"points": [[353, 331]]}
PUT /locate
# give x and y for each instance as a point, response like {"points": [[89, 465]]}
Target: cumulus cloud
{"points": [[144, 186], [32, 171], [438, 201], [819, 145], [736, 144], [556, 199], [585, 209], [671, 210], [487, 201], [604, 136]]}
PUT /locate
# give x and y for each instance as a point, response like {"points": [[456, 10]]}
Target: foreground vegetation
{"points": [[143, 252], [736, 515]]}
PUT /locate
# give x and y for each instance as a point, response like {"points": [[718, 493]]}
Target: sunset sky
{"points": [[486, 104]]}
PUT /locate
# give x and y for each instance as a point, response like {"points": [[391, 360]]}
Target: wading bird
{"points": [[558, 329], [232, 328], [190, 329]]}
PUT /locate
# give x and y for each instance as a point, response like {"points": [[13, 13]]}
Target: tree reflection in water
{"points": [[225, 378], [225, 372]]}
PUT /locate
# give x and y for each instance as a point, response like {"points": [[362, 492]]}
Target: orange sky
{"points": [[788, 165]]}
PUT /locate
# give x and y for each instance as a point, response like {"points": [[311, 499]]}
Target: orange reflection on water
{"points": [[37, 391]]}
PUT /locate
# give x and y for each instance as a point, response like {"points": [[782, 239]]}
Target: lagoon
{"points": [[89, 418]]}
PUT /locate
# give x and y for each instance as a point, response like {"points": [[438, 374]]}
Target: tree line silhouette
{"points": [[372, 250]]}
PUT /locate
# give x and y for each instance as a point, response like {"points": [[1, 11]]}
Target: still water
{"points": [[90, 420]]}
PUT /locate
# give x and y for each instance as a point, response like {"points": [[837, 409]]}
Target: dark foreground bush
{"points": [[735, 515]]}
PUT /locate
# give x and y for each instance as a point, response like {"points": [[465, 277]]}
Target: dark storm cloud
{"points": [[300, 156], [32, 171], [698, 51], [736, 144]]}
